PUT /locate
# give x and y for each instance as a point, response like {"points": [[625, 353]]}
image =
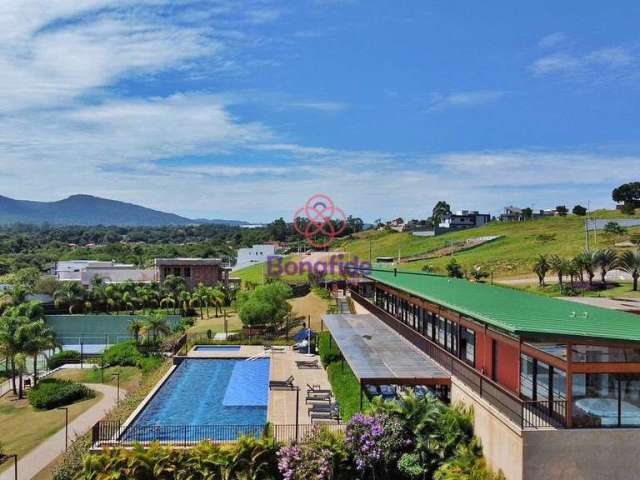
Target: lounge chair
{"points": [[324, 407], [317, 389], [319, 397], [282, 384], [276, 348], [307, 364], [325, 416]]}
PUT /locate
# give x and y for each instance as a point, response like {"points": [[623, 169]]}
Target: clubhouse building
{"points": [[554, 385]]}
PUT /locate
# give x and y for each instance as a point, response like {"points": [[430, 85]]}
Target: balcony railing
{"points": [[526, 414]]}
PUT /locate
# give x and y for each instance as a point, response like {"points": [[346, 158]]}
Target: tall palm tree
{"points": [[9, 325], [201, 298], [560, 266], [587, 264], [129, 301], [35, 338], [540, 268], [135, 327], [185, 300], [216, 297], [69, 294], [112, 295], [630, 263], [167, 301], [606, 260], [156, 324]]}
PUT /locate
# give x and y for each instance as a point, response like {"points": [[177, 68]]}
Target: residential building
{"points": [[464, 219], [84, 271], [208, 271], [554, 385], [511, 214], [255, 254]]}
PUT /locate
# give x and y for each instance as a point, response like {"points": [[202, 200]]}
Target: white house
{"points": [[255, 254], [84, 271]]}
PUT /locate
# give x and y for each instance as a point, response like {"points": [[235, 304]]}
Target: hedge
{"points": [[66, 356], [51, 393]]}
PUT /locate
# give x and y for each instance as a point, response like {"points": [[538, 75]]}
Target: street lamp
{"points": [[66, 426], [117, 377]]}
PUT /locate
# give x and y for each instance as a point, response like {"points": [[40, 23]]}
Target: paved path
{"points": [[41, 456]]}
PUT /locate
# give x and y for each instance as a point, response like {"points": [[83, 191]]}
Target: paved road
{"points": [[41, 456]]}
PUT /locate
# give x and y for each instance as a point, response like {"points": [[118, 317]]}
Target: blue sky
{"points": [[244, 109]]}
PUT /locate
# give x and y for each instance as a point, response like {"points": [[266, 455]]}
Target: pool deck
{"points": [[246, 351], [282, 403]]}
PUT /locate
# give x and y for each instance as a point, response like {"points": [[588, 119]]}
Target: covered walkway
{"points": [[378, 355]]}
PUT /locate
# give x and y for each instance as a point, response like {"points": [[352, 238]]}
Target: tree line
{"points": [[587, 265]]}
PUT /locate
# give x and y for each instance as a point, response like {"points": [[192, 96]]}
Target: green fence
{"points": [[96, 329]]}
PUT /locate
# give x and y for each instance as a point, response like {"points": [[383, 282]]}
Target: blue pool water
{"points": [[203, 393], [217, 348]]}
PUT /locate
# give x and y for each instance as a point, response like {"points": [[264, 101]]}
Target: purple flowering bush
{"points": [[364, 434], [321, 455]]}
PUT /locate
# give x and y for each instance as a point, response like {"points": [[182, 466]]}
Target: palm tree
{"points": [[201, 298], [69, 294], [112, 294], [560, 266], [36, 337], [606, 260], [587, 263], [630, 263], [185, 300], [216, 297], [20, 365], [9, 325], [168, 300], [156, 324], [135, 327], [129, 301], [540, 268]]}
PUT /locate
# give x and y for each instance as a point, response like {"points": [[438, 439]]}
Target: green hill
{"points": [[511, 255]]}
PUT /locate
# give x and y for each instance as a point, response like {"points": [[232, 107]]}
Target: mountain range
{"points": [[90, 210]]}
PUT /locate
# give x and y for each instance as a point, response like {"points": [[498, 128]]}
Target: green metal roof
{"points": [[515, 311]]}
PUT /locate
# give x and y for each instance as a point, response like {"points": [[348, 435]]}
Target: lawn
{"points": [[344, 384], [23, 428], [216, 324], [310, 305], [508, 256], [130, 377]]}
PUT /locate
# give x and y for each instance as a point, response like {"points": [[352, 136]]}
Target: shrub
{"points": [[66, 356], [123, 354], [51, 393]]}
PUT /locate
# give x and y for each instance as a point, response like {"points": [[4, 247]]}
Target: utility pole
{"points": [[66, 427], [370, 251]]}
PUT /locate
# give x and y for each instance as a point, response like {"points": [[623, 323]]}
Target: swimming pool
{"points": [[217, 348], [215, 399]]}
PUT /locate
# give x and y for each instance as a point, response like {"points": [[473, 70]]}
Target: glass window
{"points": [[629, 399], [595, 400], [542, 381], [441, 331], [429, 320], [468, 346], [527, 379], [559, 390], [187, 272], [603, 353]]}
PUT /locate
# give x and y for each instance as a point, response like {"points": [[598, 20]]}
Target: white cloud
{"points": [[595, 65], [552, 40], [441, 102]]}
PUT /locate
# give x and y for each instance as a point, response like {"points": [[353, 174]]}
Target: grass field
{"points": [[130, 377], [216, 324], [511, 255], [23, 427]]}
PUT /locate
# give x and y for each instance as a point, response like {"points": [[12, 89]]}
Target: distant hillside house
{"points": [[84, 271], [255, 254], [512, 214], [464, 219], [208, 271]]}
